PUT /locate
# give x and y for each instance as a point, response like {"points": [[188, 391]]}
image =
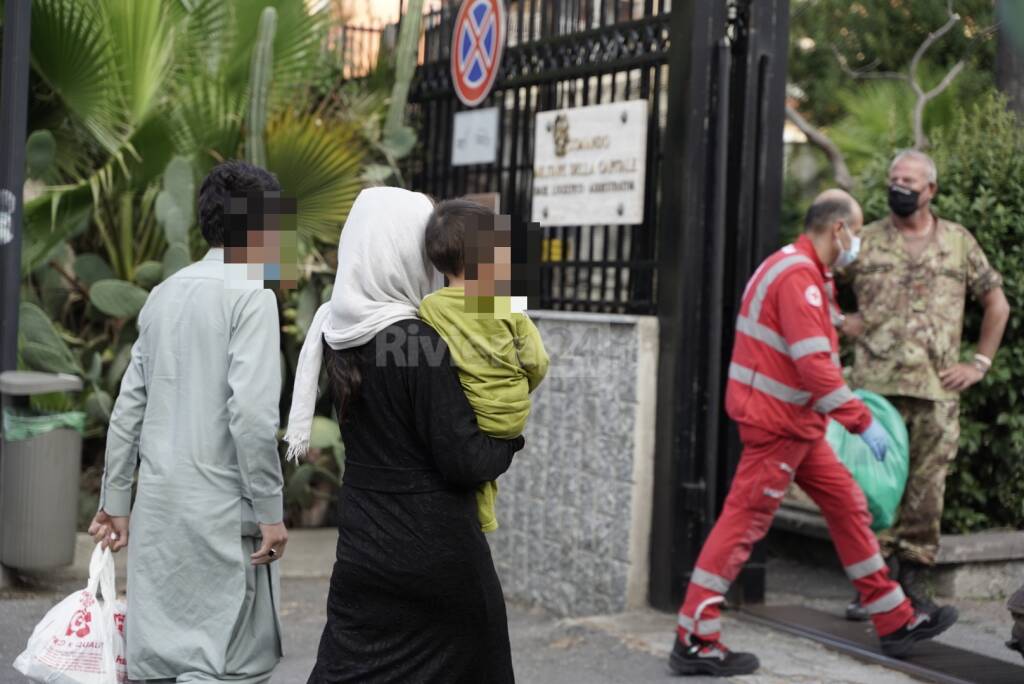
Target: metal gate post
{"points": [[13, 115], [755, 190], [14, 76], [679, 493], [722, 193]]}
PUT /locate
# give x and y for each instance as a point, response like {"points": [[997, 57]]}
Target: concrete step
{"points": [[982, 565]]}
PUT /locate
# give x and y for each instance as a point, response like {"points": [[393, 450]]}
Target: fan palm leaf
{"points": [[206, 121], [879, 116], [205, 35], [142, 38], [319, 163], [72, 52]]}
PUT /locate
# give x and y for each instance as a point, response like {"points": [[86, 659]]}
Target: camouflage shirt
{"points": [[913, 309]]}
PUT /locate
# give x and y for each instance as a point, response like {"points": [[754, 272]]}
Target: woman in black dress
{"points": [[414, 596]]}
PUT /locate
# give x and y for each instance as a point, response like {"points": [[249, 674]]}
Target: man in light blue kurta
{"points": [[198, 414]]}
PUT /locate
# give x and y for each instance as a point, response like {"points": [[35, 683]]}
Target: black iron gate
{"points": [[713, 74], [723, 192], [559, 54]]}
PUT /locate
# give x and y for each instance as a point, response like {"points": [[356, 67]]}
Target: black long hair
{"points": [[343, 377]]}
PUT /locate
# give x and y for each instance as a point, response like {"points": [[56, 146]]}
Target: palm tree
{"points": [[120, 88], [131, 103]]}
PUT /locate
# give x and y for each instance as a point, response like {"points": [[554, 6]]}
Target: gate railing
{"points": [[558, 54], [356, 49]]}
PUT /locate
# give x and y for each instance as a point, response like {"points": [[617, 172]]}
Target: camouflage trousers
{"points": [[934, 428]]}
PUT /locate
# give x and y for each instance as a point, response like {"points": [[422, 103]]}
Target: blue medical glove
{"points": [[877, 439]]}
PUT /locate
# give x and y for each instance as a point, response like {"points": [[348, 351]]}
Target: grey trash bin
{"points": [[39, 471]]}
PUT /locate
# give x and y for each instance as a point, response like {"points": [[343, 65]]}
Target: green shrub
{"points": [[980, 157]]}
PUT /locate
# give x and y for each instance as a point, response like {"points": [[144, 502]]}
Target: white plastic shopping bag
{"points": [[81, 639]]}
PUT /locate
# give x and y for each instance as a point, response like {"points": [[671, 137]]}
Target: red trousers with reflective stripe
{"points": [[768, 465]]}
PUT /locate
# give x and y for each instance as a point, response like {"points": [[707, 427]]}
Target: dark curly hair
{"points": [[230, 179]]}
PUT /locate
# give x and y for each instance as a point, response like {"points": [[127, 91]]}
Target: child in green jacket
{"points": [[499, 352]]}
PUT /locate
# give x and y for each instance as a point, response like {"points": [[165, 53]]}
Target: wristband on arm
{"points": [[982, 363]]}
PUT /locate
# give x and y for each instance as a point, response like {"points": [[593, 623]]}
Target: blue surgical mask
{"points": [[847, 256]]}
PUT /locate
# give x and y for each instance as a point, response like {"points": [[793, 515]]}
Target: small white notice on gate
{"points": [[589, 165], [475, 139]]}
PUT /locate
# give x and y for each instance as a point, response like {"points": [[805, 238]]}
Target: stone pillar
{"points": [[575, 507]]}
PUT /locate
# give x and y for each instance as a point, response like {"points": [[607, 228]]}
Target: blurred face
{"points": [[844, 233], [260, 240], [503, 271], [851, 227], [912, 174], [490, 274]]}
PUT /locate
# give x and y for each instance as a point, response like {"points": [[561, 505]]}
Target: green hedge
{"points": [[980, 157]]}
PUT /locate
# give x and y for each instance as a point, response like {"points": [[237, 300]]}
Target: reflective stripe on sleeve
{"points": [[833, 400], [770, 277], [810, 345], [710, 581], [762, 333], [890, 601], [773, 388], [864, 568]]}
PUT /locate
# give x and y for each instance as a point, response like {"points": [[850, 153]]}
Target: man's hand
{"points": [[853, 326], [960, 377], [877, 440], [275, 537], [109, 531]]}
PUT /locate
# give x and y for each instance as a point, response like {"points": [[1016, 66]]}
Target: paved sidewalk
{"points": [[547, 650]]}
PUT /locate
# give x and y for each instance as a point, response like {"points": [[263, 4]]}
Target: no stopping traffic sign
{"points": [[478, 41]]}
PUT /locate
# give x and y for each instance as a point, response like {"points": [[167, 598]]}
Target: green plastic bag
{"points": [[19, 426], [883, 483]]}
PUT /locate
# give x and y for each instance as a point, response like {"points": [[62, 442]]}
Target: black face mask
{"points": [[903, 201]]}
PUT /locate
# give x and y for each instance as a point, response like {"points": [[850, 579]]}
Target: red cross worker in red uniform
{"points": [[785, 383]]}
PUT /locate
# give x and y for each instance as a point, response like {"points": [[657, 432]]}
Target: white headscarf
{"points": [[383, 274]]}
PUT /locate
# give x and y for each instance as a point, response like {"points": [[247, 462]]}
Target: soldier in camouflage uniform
{"points": [[911, 281]]}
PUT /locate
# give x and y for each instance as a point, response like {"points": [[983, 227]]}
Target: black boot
{"points": [[923, 626], [893, 563], [913, 579], [1016, 606], [1016, 645], [855, 611], [709, 658]]}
